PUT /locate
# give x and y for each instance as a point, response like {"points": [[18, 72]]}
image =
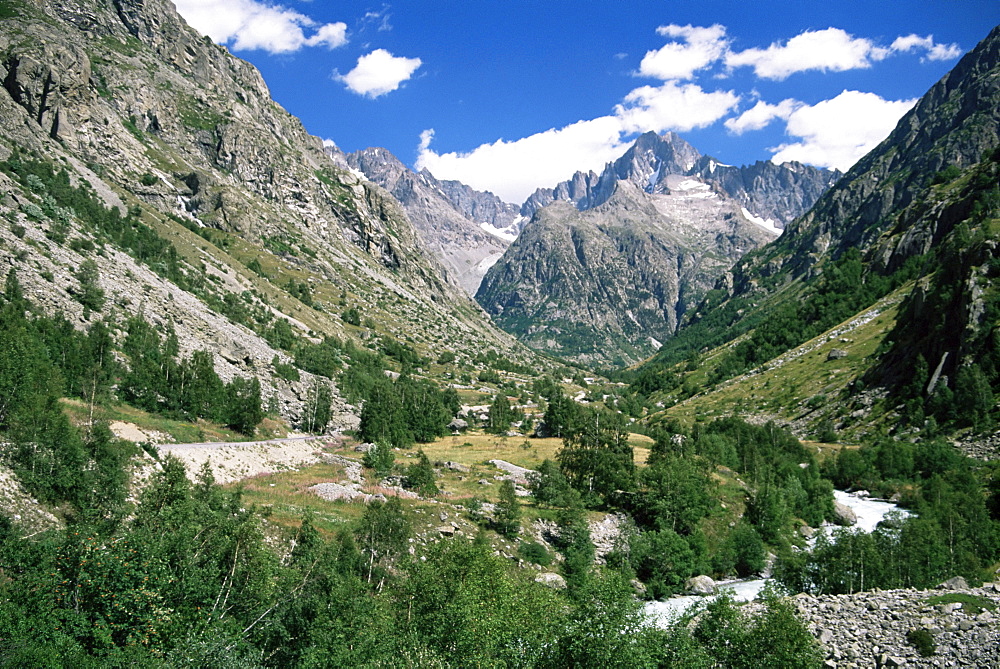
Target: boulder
{"points": [[700, 585], [551, 580], [836, 354], [447, 530], [956, 583], [844, 514]]}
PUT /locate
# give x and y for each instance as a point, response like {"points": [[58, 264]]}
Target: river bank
{"points": [[869, 513]]}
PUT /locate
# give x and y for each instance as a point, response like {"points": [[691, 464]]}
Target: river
{"points": [[870, 512]]}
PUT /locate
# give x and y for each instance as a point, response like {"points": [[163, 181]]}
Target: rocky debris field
{"points": [[883, 628], [235, 461]]}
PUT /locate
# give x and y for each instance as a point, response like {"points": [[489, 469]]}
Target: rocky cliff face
{"points": [[480, 206], [607, 285], [158, 120], [445, 228], [778, 193]]}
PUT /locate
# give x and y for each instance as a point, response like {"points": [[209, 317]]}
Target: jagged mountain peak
{"points": [[775, 193], [652, 157], [608, 284]]}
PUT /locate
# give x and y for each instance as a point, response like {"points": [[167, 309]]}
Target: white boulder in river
{"points": [[700, 585]]}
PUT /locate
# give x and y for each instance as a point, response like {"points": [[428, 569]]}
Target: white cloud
{"points": [[378, 73], [680, 60], [673, 107], [379, 19], [513, 170], [934, 51], [831, 133], [831, 49], [760, 115], [249, 24], [425, 140], [839, 131]]}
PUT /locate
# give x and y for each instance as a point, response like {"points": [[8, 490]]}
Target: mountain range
{"points": [[693, 217], [666, 250]]}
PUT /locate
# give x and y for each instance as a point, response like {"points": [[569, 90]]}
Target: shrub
{"points": [[352, 316], [922, 640], [534, 552], [379, 458]]}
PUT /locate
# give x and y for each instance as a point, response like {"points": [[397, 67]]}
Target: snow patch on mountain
{"points": [[767, 224], [502, 233]]}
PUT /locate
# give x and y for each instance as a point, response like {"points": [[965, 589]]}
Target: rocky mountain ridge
{"points": [[777, 193], [882, 204]]}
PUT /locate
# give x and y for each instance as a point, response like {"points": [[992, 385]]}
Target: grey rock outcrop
{"points": [[844, 514], [700, 585], [551, 580]]}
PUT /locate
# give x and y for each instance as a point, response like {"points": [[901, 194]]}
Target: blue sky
{"points": [[510, 96]]}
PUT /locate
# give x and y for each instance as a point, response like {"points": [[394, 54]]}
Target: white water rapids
{"points": [[870, 512]]}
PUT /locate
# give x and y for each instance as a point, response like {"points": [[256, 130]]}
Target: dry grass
{"points": [[285, 497]]}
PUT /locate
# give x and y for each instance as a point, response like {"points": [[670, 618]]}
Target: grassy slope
{"points": [[803, 386]]}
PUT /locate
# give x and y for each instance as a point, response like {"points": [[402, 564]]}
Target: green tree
{"points": [[500, 415], [575, 543], [243, 407], [382, 535], [91, 296], [471, 609], [549, 486], [606, 628], [742, 552], [676, 493], [973, 396], [200, 387], [420, 476], [384, 419], [662, 560], [597, 460], [379, 458], [508, 511], [316, 412]]}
